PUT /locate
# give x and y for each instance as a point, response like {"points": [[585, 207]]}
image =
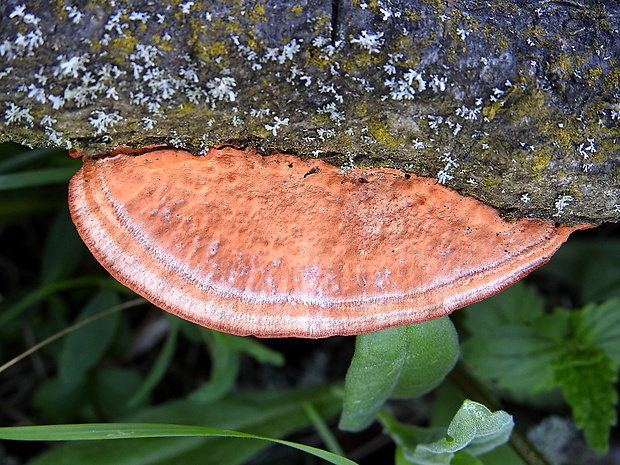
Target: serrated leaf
{"points": [[517, 357], [517, 304], [406, 361], [599, 324], [513, 350], [576, 350], [84, 347], [586, 378], [590, 267]]}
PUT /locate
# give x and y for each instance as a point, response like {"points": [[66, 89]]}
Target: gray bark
{"points": [[514, 102]]}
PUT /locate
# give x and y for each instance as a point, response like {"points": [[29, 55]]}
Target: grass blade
{"points": [[82, 432]]}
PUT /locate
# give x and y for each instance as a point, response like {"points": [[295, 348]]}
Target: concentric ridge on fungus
{"points": [[276, 246]]}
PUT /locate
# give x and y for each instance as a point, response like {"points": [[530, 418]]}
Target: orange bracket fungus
{"points": [[275, 246]]}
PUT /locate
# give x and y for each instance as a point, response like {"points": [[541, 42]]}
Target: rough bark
{"points": [[514, 102]]}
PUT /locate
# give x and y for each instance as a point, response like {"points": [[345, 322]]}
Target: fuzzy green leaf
{"points": [[473, 431], [432, 351], [376, 365], [406, 361], [587, 380], [474, 426]]}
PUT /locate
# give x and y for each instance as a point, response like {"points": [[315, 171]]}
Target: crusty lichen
{"points": [[521, 113]]}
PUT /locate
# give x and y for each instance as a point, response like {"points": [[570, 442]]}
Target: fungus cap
{"points": [[274, 246]]}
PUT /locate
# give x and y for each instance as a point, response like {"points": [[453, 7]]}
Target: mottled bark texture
{"points": [[514, 102]]}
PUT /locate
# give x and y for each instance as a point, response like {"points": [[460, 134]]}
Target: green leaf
{"points": [[328, 438], [114, 388], [587, 379], [517, 304], [63, 249], [513, 343], [59, 400], [256, 349], [575, 350], [474, 426], [225, 364], [36, 178], [375, 368], [432, 351], [463, 458], [269, 414], [406, 361], [84, 347], [226, 351], [16, 157], [158, 370], [474, 430], [590, 267], [9, 311], [599, 324]]}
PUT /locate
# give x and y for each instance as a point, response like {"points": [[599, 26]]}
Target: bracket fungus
{"points": [[274, 246]]}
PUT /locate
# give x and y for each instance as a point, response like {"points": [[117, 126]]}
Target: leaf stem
{"points": [[68, 329]]}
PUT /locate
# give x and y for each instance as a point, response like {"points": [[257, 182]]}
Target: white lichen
{"points": [[71, 67], [561, 203], [102, 121], [17, 114], [371, 42], [222, 88], [334, 114], [444, 174], [277, 123]]}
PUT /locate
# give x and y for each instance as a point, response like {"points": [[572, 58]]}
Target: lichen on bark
{"points": [[515, 103]]}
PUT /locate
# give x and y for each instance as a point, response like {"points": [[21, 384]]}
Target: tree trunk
{"points": [[513, 102]]}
